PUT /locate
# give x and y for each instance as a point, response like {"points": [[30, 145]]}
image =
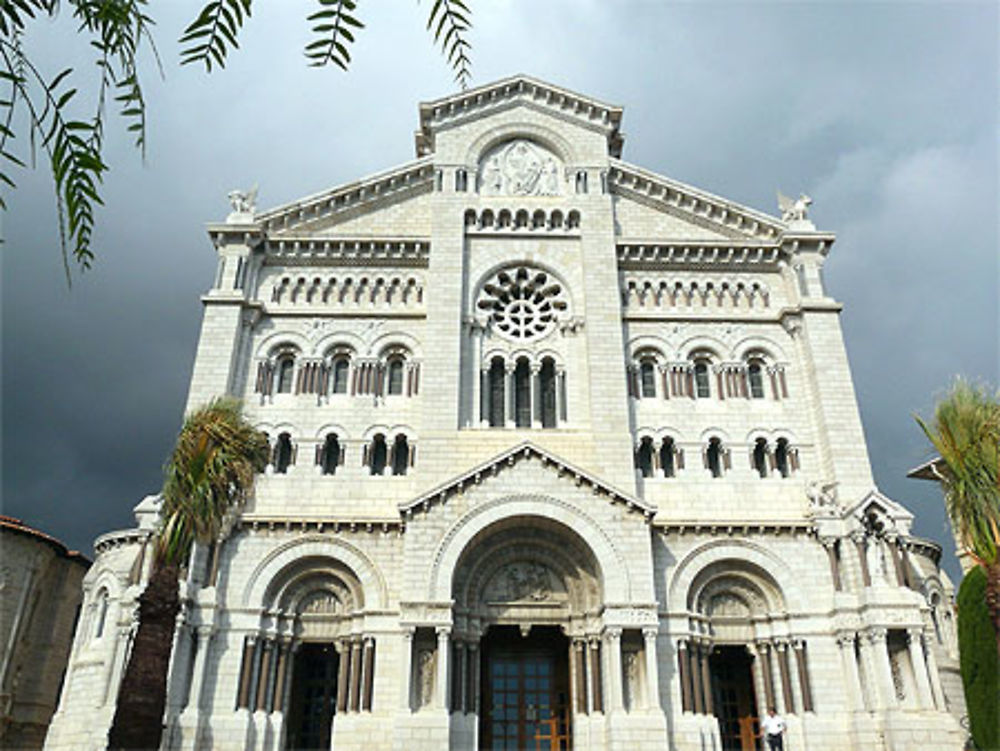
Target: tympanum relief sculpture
{"points": [[520, 168], [525, 582]]}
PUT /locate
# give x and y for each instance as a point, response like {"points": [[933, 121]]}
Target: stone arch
{"points": [[316, 547], [612, 569], [547, 137], [739, 556]]}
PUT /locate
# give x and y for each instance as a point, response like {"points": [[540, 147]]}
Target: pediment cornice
{"points": [[519, 89], [694, 205], [526, 451], [303, 216]]}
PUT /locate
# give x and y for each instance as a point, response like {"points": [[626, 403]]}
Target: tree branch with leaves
{"points": [[119, 32]]}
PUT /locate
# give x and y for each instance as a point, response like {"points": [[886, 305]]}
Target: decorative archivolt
{"points": [[652, 292], [350, 290]]}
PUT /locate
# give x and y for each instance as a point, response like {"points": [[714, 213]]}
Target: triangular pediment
{"points": [[508, 460], [663, 209], [885, 507], [519, 90]]}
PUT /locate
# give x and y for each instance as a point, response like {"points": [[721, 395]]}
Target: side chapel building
{"points": [[566, 454]]}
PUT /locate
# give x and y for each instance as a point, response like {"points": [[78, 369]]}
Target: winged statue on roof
{"points": [[794, 209], [243, 201]]}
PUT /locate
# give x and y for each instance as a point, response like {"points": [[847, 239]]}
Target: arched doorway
{"points": [[314, 661], [736, 668], [527, 593]]}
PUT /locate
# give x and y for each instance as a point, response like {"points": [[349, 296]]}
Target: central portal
{"points": [[733, 697], [313, 700], [525, 690]]}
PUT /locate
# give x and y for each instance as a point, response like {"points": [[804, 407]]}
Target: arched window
{"points": [[102, 613], [781, 457], [644, 457], [395, 376], [755, 374], [377, 457], [547, 388], [713, 457], [341, 370], [496, 392], [282, 453], [330, 455], [667, 457], [702, 389], [400, 455], [522, 393], [285, 371], [647, 378], [760, 457]]}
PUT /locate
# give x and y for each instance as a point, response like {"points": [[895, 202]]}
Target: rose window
{"points": [[523, 302]]}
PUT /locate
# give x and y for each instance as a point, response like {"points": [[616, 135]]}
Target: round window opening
{"points": [[523, 302]]}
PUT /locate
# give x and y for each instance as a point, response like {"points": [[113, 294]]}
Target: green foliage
{"points": [[979, 661], [965, 431], [209, 475], [116, 31]]}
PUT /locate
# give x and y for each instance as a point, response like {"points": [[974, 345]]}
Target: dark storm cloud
{"points": [[885, 113]]}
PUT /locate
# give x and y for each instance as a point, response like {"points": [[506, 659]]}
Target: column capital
{"points": [[846, 639], [409, 632], [443, 632], [613, 633], [876, 635], [650, 632], [828, 542]]}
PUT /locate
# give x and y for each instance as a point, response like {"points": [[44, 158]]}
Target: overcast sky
{"points": [[886, 114]]}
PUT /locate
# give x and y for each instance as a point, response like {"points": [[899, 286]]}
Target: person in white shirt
{"points": [[772, 728]]}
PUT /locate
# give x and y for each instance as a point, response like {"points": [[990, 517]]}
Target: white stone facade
{"points": [[521, 392]]}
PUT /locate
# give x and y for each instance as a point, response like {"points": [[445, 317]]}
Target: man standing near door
{"points": [[772, 728]]}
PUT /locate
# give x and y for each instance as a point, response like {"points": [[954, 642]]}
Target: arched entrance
{"points": [[734, 663], [527, 593], [311, 660]]}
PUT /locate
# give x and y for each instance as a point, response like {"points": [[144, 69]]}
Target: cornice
{"points": [[120, 537], [730, 528], [265, 523], [449, 110], [510, 457], [637, 255], [305, 250], [346, 197], [716, 212]]}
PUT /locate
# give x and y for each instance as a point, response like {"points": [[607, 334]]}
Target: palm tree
{"points": [[965, 431], [208, 477]]}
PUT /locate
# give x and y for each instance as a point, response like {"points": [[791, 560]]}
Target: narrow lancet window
{"points": [[330, 457]]}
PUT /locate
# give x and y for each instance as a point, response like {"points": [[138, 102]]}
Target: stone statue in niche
{"points": [[520, 168], [425, 669], [631, 660], [878, 570]]}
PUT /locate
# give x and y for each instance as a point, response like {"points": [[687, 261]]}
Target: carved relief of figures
{"points": [[520, 168], [425, 677], [524, 580]]}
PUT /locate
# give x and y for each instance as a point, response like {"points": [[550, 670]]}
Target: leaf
{"points": [[330, 25], [214, 32]]}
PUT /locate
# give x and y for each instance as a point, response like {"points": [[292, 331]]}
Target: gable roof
{"points": [[518, 89], [525, 451]]}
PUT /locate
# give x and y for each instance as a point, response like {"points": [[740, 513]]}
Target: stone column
{"points": [[406, 663], [932, 671], [883, 668], [614, 640], [205, 634], [764, 650], [596, 698], [441, 689], [859, 546], [805, 688], [535, 395], [483, 402], [577, 678], [855, 697], [684, 670], [694, 658], [757, 676], [787, 695], [914, 639], [510, 416], [355, 675], [281, 677], [706, 677], [343, 676], [652, 671], [472, 693], [830, 545]]}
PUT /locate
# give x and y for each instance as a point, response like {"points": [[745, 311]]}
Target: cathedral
{"points": [[565, 455]]}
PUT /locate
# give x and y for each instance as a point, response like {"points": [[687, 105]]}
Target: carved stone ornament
{"points": [[522, 302], [425, 663], [243, 201], [520, 582], [823, 497], [520, 168], [794, 209]]}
